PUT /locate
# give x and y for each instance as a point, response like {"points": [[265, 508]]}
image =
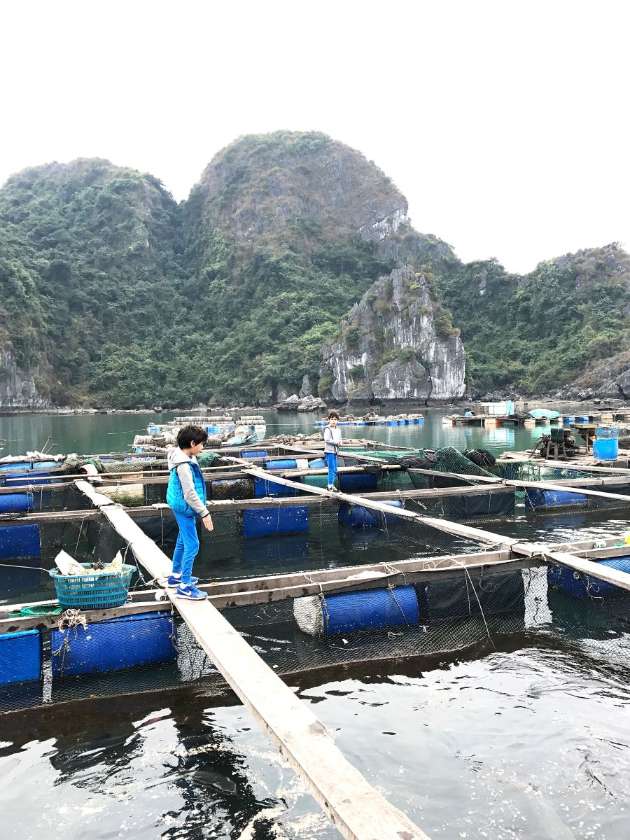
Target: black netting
{"points": [[460, 612]]}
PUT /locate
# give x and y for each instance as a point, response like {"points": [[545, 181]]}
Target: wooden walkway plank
{"points": [[527, 549], [571, 486], [357, 810], [580, 564], [444, 525]]}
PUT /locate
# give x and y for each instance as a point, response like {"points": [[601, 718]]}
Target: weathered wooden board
{"points": [[354, 807]]}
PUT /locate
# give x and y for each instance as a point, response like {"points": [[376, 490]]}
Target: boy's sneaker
{"points": [[191, 593], [173, 581], [333, 489]]}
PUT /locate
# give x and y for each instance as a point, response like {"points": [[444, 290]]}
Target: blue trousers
{"points": [[186, 547], [331, 463]]}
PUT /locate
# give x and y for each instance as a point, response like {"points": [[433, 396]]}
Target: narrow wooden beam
{"points": [[359, 580], [580, 564], [583, 491], [584, 468], [527, 549], [444, 525], [226, 505], [357, 810], [573, 485]]}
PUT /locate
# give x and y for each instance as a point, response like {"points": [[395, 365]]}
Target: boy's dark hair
{"points": [[333, 414], [189, 435]]}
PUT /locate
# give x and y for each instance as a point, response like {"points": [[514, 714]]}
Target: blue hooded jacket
{"points": [[174, 492]]}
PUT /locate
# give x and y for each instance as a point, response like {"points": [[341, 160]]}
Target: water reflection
{"points": [[173, 773]]}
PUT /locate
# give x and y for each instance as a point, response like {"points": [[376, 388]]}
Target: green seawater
{"points": [[524, 738], [102, 433]]}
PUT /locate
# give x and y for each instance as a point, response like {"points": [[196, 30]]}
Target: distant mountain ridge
{"points": [[275, 272]]}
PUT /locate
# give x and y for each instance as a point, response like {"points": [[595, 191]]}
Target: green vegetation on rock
{"points": [[112, 294], [537, 333]]}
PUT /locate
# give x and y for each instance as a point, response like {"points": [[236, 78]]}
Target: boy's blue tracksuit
{"points": [[186, 496]]}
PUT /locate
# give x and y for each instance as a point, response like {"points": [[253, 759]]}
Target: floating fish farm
{"points": [[296, 577]]}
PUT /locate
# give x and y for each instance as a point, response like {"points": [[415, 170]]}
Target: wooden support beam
{"points": [[573, 485], [583, 491], [584, 468], [227, 505], [580, 564], [269, 590], [444, 525], [355, 808], [527, 549]]}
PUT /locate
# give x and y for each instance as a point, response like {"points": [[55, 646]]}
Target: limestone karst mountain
{"points": [[293, 256]]}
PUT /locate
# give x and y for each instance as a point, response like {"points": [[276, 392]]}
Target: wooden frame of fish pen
{"points": [[300, 735]]}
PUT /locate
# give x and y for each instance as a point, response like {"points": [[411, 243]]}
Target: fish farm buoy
{"points": [[374, 609], [16, 502], [356, 516], [580, 585]]}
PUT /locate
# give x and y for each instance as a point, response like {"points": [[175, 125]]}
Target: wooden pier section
{"points": [[526, 549], [355, 808]]}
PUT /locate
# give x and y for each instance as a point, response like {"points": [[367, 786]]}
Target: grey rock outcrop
{"points": [[17, 387], [396, 343], [608, 379]]}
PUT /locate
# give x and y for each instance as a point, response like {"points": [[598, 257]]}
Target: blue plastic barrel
{"points": [[535, 499], [113, 645], [19, 541], [579, 585], [582, 418], [263, 487], [355, 482], [254, 453], [281, 464], [567, 420], [20, 657], [262, 522], [356, 516], [317, 464], [606, 450], [371, 610], [16, 502]]}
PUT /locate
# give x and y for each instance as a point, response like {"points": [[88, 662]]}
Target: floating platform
{"points": [[390, 420]]}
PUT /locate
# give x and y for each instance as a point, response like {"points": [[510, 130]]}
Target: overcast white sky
{"points": [[504, 123]]}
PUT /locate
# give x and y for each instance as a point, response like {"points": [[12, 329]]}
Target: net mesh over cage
{"points": [[457, 613]]}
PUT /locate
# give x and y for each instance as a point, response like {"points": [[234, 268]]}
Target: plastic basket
{"points": [[92, 592]]}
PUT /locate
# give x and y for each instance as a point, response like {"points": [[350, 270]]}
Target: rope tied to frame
{"points": [[68, 621]]}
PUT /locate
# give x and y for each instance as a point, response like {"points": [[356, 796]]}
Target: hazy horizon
{"points": [[500, 123]]}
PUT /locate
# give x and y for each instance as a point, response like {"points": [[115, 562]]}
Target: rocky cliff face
{"points": [[292, 188], [397, 343], [17, 387]]}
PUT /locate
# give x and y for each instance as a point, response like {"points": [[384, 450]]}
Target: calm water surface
{"points": [[530, 741], [100, 433]]}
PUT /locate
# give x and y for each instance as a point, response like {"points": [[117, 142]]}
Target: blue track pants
{"points": [[186, 547], [331, 463]]}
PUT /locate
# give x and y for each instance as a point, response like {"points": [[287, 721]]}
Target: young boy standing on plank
{"points": [[332, 442], [186, 496]]}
